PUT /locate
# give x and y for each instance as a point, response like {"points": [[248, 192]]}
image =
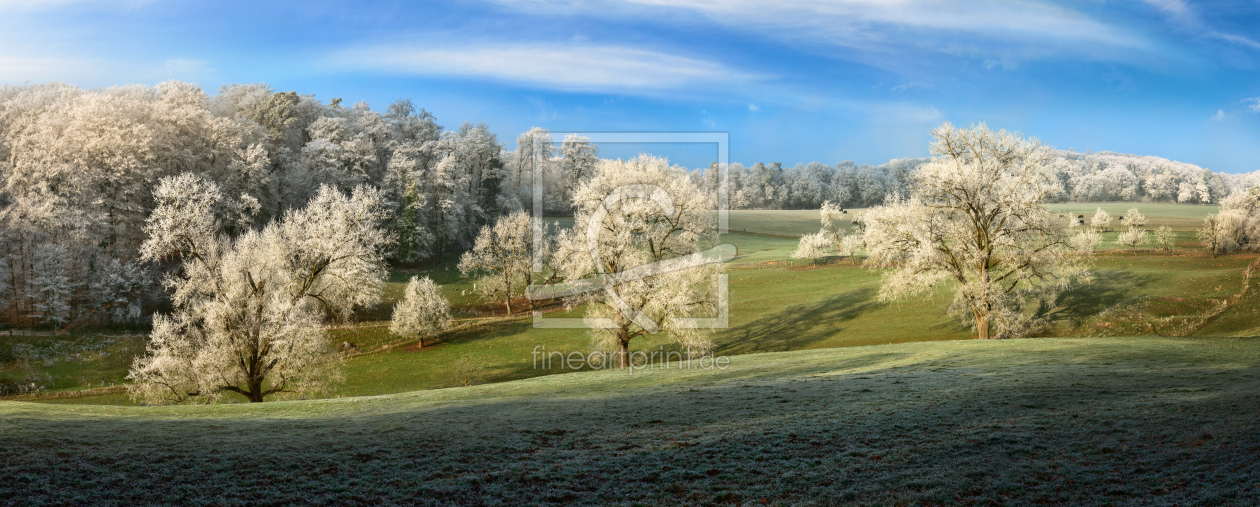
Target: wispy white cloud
{"points": [[1252, 104], [568, 67], [1011, 30], [1185, 17], [1171, 7], [753, 107], [1235, 39], [1220, 115]]}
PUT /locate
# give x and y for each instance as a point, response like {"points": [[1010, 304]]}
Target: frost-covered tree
{"points": [[531, 162], [831, 218], [638, 230], [829, 237], [1086, 241], [1216, 235], [1101, 220], [4, 284], [502, 257], [476, 154], [248, 310], [118, 289], [405, 184], [422, 312], [1165, 238], [813, 246], [578, 158], [50, 288], [451, 210], [1133, 237], [1243, 208], [851, 245], [1134, 218], [975, 218]]}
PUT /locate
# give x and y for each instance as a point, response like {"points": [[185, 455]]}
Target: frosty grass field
{"points": [[1125, 421]]}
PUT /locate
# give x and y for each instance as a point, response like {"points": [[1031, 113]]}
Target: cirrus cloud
{"points": [[566, 67]]}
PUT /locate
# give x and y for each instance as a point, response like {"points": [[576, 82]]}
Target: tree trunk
{"points": [[624, 354], [507, 301], [255, 394], [982, 326]]}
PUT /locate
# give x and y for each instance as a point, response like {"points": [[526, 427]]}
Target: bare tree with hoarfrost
{"points": [[248, 311], [831, 236], [578, 158], [1165, 239], [532, 161], [4, 283], [1101, 220], [1133, 237], [1216, 234], [638, 232], [502, 257], [1085, 241], [831, 216], [50, 288], [813, 246], [975, 218], [851, 245], [1243, 209], [422, 312], [1134, 218]]}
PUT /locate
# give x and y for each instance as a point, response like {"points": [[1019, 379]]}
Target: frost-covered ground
{"points": [[1122, 421]]}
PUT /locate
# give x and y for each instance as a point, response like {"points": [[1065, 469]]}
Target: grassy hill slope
{"points": [[1124, 421]]}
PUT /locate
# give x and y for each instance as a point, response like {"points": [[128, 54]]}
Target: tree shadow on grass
{"points": [[798, 326], [1109, 288]]}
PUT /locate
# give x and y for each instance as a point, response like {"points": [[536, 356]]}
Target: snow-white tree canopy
{"points": [[640, 225], [1133, 237], [1101, 220], [975, 218], [1165, 239], [502, 256], [578, 158], [249, 309], [1134, 218], [1085, 241], [813, 246], [423, 310]]}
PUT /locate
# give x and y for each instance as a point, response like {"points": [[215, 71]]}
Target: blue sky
{"points": [[860, 80]]}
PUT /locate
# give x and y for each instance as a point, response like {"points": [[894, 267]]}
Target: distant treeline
{"points": [[1083, 177]]}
